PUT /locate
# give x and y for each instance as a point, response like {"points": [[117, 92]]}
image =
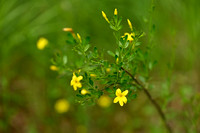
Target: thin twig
{"points": [[157, 106]]}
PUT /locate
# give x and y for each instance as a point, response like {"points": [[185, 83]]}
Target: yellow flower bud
{"points": [[42, 43], [130, 24], [79, 37], [68, 29], [84, 91], [79, 70], [105, 17], [54, 68], [117, 60], [115, 12], [93, 75], [62, 106]]}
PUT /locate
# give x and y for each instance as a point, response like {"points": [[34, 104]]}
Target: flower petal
{"points": [[72, 82], [118, 92], [74, 76], [121, 103], [116, 100], [79, 85], [124, 93], [75, 87], [124, 99], [80, 78]]}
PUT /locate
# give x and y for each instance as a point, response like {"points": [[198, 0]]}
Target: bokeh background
{"points": [[29, 89]]}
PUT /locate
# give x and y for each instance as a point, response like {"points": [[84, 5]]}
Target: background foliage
{"points": [[29, 89]]}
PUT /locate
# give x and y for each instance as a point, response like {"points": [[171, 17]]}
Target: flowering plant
{"points": [[120, 78]]}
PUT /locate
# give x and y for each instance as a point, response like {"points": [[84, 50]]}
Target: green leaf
{"points": [[69, 42], [120, 44], [87, 39], [150, 65], [119, 21], [112, 95], [137, 43], [86, 47], [126, 44], [111, 53], [119, 27], [91, 82], [79, 95], [64, 59], [117, 52], [112, 27], [133, 96], [109, 90], [99, 93], [131, 57], [95, 49], [86, 75]]}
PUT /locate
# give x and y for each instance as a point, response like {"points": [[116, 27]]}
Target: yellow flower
{"points": [[121, 97], [104, 101], [62, 106], [84, 92], [54, 68], [115, 12], [93, 75], [108, 70], [130, 38], [105, 17], [130, 24], [75, 82], [42, 43]]}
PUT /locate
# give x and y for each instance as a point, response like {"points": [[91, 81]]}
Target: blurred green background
{"points": [[29, 89]]}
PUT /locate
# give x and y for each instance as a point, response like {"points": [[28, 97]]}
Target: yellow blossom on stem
{"points": [[115, 12], [105, 17], [84, 92], [93, 75], [121, 97], [75, 82], [70, 30], [42, 43], [104, 101], [62, 106], [130, 36], [54, 68], [130, 24]]}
